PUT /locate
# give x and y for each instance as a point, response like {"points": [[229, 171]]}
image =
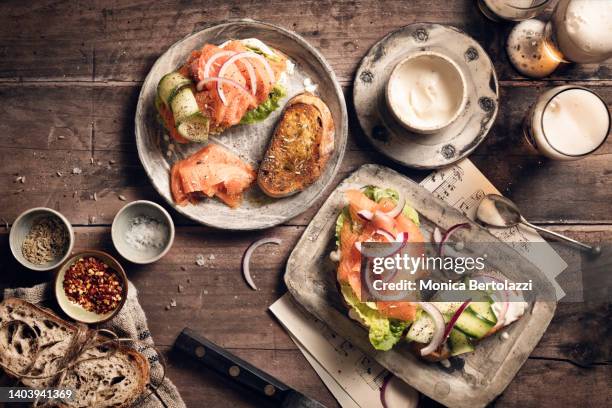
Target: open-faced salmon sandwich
{"points": [[220, 86], [434, 329]]}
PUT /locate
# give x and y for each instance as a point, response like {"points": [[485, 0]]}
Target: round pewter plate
{"points": [[451, 143], [250, 142]]}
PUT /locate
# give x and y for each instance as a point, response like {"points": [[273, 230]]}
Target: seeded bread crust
{"points": [[300, 147], [116, 380]]}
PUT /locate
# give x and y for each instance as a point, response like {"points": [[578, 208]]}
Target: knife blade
{"points": [[241, 372]]}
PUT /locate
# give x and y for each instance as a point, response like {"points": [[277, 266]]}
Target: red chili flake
{"points": [[92, 284]]}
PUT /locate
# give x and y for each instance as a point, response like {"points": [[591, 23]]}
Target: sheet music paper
{"points": [[349, 374], [356, 378], [463, 186]]}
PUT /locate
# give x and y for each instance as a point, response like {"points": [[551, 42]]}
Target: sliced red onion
{"points": [[246, 260], [244, 55], [365, 215], [382, 220], [383, 389], [449, 233], [437, 235], [395, 244], [225, 81], [249, 67], [401, 202], [206, 71], [388, 236], [439, 328], [394, 393], [453, 320]]}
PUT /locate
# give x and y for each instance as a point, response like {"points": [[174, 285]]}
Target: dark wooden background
{"points": [[70, 73]]}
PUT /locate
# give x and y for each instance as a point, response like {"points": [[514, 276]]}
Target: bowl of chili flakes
{"points": [[91, 287]]}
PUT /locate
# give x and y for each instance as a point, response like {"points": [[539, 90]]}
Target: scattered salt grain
{"points": [[505, 336], [180, 288], [61, 137], [59, 173], [77, 170], [172, 302], [112, 161], [122, 197], [95, 196], [91, 160], [200, 260], [211, 257], [167, 307], [145, 232], [445, 363]]}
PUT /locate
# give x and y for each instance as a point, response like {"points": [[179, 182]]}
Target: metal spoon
{"points": [[497, 211]]}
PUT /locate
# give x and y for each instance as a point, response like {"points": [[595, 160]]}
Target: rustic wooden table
{"points": [[70, 73]]}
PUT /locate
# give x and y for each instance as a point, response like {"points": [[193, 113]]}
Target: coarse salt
{"points": [[146, 232]]}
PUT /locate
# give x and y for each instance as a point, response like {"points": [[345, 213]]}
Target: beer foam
{"points": [[575, 122]]}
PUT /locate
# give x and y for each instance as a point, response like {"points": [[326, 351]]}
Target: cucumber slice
{"points": [[472, 325], [421, 330], [484, 311], [195, 128], [459, 343], [170, 84], [447, 309], [184, 105]]}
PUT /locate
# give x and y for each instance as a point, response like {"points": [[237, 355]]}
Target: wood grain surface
{"points": [[70, 74]]}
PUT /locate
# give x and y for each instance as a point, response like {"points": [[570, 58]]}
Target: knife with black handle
{"points": [[241, 372]]}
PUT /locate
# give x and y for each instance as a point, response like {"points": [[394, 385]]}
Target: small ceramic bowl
{"points": [[21, 227], [76, 311], [136, 252], [413, 82]]}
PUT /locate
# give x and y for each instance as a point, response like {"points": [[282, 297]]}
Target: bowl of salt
{"points": [[142, 232]]}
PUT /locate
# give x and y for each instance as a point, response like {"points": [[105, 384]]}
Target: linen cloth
{"points": [[129, 322]]}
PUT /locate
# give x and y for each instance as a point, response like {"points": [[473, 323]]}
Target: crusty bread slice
{"points": [[112, 380], [300, 147], [115, 380]]}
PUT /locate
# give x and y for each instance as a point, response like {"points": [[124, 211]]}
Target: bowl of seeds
{"points": [[41, 239]]}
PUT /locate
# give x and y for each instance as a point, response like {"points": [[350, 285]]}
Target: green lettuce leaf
{"points": [[344, 214], [265, 108], [376, 194], [384, 333]]}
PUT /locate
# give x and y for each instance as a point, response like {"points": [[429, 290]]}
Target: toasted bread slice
{"points": [[300, 147], [116, 379]]}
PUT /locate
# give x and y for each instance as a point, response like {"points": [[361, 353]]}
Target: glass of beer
{"points": [[567, 123], [579, 31], [513, 10]]}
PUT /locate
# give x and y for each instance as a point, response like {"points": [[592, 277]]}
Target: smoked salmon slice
{"points": [[356, 229], [213, 171]]}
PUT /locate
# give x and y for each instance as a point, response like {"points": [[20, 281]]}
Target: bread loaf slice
{"points": [[115, 380], [300, 147]]}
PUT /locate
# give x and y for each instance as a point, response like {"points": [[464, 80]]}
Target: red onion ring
{"points": [[382, 220], [246, 260], [383, 388], [366, 215], [448, 234], [405, 396], [249, 67], [234, 58], [438, 335], [206, 71], [453, 320], [401, 202], [226, 81], [397, 243], [437, 236]]}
